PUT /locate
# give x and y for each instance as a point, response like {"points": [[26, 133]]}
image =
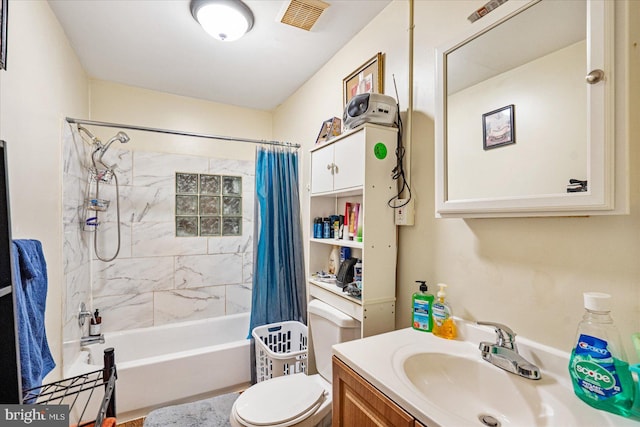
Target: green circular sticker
{"points": [[380, 150]]}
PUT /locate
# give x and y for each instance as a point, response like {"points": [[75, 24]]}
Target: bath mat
{"points": [[213, 412]]}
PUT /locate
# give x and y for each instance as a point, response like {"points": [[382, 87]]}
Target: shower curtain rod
{"points": [[181, 133]]}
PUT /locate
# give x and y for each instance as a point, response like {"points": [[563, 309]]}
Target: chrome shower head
{"points": [[120, 136]]}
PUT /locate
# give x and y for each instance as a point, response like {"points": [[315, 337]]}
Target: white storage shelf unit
{"points": [[356, 167]]}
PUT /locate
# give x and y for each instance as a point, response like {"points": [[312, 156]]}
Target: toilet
{"points": [[299, 400]]}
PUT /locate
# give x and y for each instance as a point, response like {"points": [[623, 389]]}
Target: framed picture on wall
{"points": [[368, 78], [4, 7], [498, 127]]}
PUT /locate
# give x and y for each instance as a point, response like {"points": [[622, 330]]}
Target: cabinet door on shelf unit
{"points": [[322, 170], [349, 161]]}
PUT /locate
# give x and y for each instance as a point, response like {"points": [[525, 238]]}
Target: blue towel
{"points": [[30, 282]]}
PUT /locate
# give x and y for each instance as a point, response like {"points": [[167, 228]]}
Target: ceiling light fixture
{"points": [[225, 20]]}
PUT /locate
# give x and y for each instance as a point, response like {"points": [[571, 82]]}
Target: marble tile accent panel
{"points": [[247, 267], [248, 203], [121, 160], [72, 200], [107, 235], [188, 304], [158, 169], [132, 276], [152, 204], [158, 239], [77, 289], [244, 168], [122, 312], [238, 299], [108, 192], [75, 248], [231, 244], [208, 270]]}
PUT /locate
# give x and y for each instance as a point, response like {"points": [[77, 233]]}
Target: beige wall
{"points": [[116, 103], [43, 82], [528, 273]]}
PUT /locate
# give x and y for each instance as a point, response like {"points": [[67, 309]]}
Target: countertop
{"points": [[378, 357]]}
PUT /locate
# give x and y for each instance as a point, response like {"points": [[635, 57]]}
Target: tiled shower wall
{"points": [[157, 278]]}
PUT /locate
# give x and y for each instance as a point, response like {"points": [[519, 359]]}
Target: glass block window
{"points": [[208, 205]]}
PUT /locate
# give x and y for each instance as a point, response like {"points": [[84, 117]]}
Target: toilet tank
{"points": [[329, 326]]}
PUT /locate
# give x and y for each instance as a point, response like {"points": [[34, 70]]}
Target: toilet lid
{"points": [[280, 400]]}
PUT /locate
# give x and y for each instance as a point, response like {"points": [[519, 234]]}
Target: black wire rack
{"points": [[78, 391]]}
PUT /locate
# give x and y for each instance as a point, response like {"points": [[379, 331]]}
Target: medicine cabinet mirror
{"points": [[525, 122]]}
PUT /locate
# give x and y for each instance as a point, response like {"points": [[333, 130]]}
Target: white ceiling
{"points": [[157, 45]]}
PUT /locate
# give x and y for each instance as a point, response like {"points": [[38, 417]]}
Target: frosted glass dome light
{"points": [[225, 20]]}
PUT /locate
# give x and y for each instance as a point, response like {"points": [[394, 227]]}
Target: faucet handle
{"points": [[504, 335]]}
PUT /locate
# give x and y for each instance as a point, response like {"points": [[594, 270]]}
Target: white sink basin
{"points": [[447, 383], [473, 390]]}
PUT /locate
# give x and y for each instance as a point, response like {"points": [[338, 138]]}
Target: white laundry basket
{"points": [[281, 349]]}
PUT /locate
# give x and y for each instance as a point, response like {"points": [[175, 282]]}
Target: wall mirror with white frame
{"points": [[525, 126]]}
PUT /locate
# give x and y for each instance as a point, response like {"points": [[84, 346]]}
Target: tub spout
{"points": [[92, 339]]}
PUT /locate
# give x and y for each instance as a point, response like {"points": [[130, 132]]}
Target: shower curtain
{"points": [[279, 291]]}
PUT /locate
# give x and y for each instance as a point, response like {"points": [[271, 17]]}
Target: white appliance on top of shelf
{"points": [[370, 108]]}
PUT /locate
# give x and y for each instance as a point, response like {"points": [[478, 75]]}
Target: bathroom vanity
{"points": [[412, 378]]}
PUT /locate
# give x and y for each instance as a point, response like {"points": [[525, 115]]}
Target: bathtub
{"points": [[174, 363]]}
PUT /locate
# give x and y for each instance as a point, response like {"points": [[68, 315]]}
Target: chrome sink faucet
{"points": [[504, 353]]}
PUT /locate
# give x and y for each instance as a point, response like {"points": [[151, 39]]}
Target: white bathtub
{"points": [[175, 363]]}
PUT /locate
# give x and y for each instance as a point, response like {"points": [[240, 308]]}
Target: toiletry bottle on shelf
{"points": [[95, 327], [421, 306], [334, 260], [598, 366], [357, 271], [443, 324]]}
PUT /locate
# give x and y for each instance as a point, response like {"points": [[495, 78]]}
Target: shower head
{"points": [[120, 136]]}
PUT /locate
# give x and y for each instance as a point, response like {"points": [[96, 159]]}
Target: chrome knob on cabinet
{"points": [[332, 167], [595, 76]]}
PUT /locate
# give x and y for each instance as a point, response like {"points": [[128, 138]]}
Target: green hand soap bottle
{"points": [[421, 306]]}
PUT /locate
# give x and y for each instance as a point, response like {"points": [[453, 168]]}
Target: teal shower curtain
{"points": [[278, 258]]}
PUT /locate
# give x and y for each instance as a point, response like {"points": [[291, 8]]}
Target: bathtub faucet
{"points": [[92, 339]]}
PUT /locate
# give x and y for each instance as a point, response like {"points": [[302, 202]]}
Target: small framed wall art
{"points": [[498, 127], [368, 78]]}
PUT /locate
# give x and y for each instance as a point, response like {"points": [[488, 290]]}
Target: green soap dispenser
{"points": [[421, 305]]}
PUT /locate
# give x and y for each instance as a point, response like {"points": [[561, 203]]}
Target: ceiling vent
{"points": [[303, 13]]}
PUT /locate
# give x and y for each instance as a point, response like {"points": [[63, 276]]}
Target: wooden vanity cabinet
{"points": [[357, 403]]}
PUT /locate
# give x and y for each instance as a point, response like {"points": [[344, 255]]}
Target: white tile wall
{"points": [[157, 278]]}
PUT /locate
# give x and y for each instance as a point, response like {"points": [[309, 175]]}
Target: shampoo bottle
{"points": [[443, 324], [422, 304], [598, 366]]}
